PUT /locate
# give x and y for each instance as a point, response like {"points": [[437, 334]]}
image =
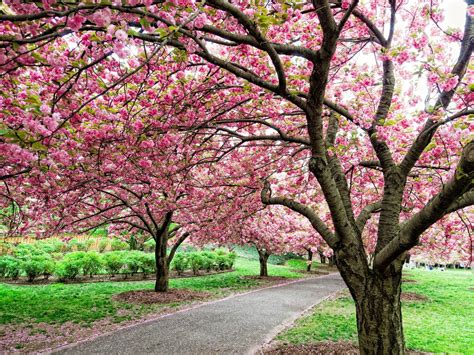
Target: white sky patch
{"points": [[454, 13]]}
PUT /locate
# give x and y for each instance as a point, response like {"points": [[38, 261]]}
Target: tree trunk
{"points": [[332, 260], [310, 260], [379, 316], [263, 258], [162, 267], [322, 258]]}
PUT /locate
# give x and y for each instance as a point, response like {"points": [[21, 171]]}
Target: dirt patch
{"points": [[409, 280], [109, 278], [412, 296], [150, 297], [319, 348]]}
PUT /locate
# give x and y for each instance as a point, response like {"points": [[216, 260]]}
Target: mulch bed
{"points": [[109, 278], [152, 297], [412, 296], [319, 348]]}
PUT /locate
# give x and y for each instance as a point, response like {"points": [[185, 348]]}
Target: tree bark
{"points": [[263, 258], [162, 267], [379, 316], [310, 260], [322, 258]]}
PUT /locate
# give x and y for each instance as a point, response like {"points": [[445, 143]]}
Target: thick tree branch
{"points": [[176, 245], [435, 209]]}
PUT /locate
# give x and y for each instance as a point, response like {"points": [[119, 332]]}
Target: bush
{"points": [[9, 267], [26, 251], [50, 246], [117, 244], [208, 260], [179, 263], [103, 244], [133, 261], [149, 245], [89, 243], [70, 266], [91, 263], [49, 267], [37, 265], [113, 262], [195, 261], [79, 245], [148, 265], [231, 257]]}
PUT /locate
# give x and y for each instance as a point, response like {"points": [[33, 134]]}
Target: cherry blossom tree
{"points": [[371, 101]]}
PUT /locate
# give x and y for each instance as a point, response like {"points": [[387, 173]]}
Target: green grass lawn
{"points": [[443, 324], [85, 303]]}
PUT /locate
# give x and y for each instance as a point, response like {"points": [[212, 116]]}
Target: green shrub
{"points": [[50, 246], [70, 266], [26, 251], [79, 245], [9, 267], [113, 261], [91, 263], [149, 245], [37, 265], [195, 261], [103, 244], [48, 268], [221, 262], [208, 260], [231, 257], [148, 265], [179, 263], [117, 244], [133, 261], [88, 243]]}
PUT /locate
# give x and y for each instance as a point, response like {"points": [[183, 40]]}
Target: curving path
{"points": [[235, 325]]}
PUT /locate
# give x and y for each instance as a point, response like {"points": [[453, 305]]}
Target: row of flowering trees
{"points": [[355, 116]]}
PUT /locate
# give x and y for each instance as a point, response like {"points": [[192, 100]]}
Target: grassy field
{"points": [[442, 324], [89, 302]]}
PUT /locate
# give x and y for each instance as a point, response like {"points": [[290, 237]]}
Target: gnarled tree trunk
{"points": [[377, 302], [263, 258], [379, 316]]}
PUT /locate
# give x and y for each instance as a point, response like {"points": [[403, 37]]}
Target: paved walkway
{"points": [[236, 325]]}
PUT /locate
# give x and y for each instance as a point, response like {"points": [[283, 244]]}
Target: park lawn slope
{"points": [[443, 323]]}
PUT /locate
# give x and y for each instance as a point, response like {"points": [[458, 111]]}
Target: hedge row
{"points": [[55, 245], [34, 262], [219, 259]]}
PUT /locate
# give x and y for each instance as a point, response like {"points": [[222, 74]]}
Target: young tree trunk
{"points": [[322, 258], [310, 260], [162, 267], [263, 258], [379, 317]]}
